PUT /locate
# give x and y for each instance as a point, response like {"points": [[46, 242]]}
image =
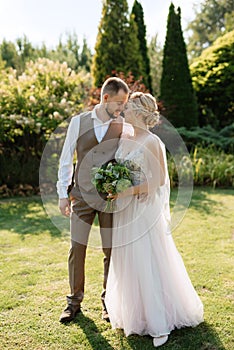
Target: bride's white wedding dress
{"points": [[148, 288]]}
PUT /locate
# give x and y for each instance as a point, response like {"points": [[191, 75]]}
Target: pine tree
{"points": [[177, 92], [138, 13], [111, 45]]}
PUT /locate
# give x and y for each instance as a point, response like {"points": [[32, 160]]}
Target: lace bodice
{"points": [[134, 159]]}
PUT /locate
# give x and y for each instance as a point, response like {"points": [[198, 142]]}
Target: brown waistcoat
{"points": [[91, 153]]}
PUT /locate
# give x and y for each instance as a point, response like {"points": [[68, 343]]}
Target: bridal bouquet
{"points": [[111, 178]]}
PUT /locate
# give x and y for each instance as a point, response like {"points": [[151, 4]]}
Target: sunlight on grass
{"points": [[34, 279]]}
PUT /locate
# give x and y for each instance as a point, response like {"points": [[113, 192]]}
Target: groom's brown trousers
{"points": [[82, 218]]}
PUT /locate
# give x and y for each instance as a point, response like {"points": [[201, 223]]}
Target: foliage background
{"points": [[41, 87]]}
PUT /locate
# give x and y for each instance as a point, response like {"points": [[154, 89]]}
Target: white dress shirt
{"points": [[66, 160]]}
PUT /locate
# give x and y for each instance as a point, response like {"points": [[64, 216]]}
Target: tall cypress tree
{"points": [[133, 60], [156, 57], [112, 39], [177, 92], [138, 13]]}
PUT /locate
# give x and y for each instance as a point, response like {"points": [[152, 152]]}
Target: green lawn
{"points": [[34, 280]]}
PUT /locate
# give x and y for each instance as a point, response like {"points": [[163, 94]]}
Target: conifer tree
{"points": [[111, 45], [133, 60], [177, 92], [138, 13], [156, 56], [9, 54], [85, 56]]}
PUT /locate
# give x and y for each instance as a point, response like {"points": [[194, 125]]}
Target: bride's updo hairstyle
{"points": [[146, 106]]}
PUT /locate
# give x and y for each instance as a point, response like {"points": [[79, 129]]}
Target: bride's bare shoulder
{"points": [[154, 139], [154, 143]]}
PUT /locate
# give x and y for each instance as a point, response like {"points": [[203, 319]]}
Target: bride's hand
{"points": [[128, 192], [112, 196]]}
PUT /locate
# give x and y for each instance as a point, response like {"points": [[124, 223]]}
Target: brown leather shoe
{"points": [[69, 313], [105, 316]]}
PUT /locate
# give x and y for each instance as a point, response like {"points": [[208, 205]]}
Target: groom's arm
{"points": [[66, 165]]}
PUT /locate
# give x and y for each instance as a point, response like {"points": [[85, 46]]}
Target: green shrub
{"points": [[32, 105], [213, 80], [211, 167], [206, 136]]}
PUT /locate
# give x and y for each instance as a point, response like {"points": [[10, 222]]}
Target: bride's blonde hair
{"points": [[145, 105]]}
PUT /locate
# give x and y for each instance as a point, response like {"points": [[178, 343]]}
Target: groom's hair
{"points": [[112, 86]]}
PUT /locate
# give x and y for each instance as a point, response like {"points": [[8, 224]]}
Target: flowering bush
{"points": [[38, 100], [32, 105]]}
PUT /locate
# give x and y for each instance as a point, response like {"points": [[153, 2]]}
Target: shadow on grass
{"points": [[25, 216], [92, 333], [201, 200], [202, 337]]}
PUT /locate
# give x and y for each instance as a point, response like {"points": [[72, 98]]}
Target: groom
{"points": [[94, 136]]}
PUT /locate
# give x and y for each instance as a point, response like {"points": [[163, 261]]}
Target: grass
{"points": [[34, 280]]}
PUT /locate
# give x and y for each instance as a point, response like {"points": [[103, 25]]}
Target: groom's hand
{"points": [[64, 206]]}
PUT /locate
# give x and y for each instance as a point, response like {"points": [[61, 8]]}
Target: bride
{"points": [[148, 290]]}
